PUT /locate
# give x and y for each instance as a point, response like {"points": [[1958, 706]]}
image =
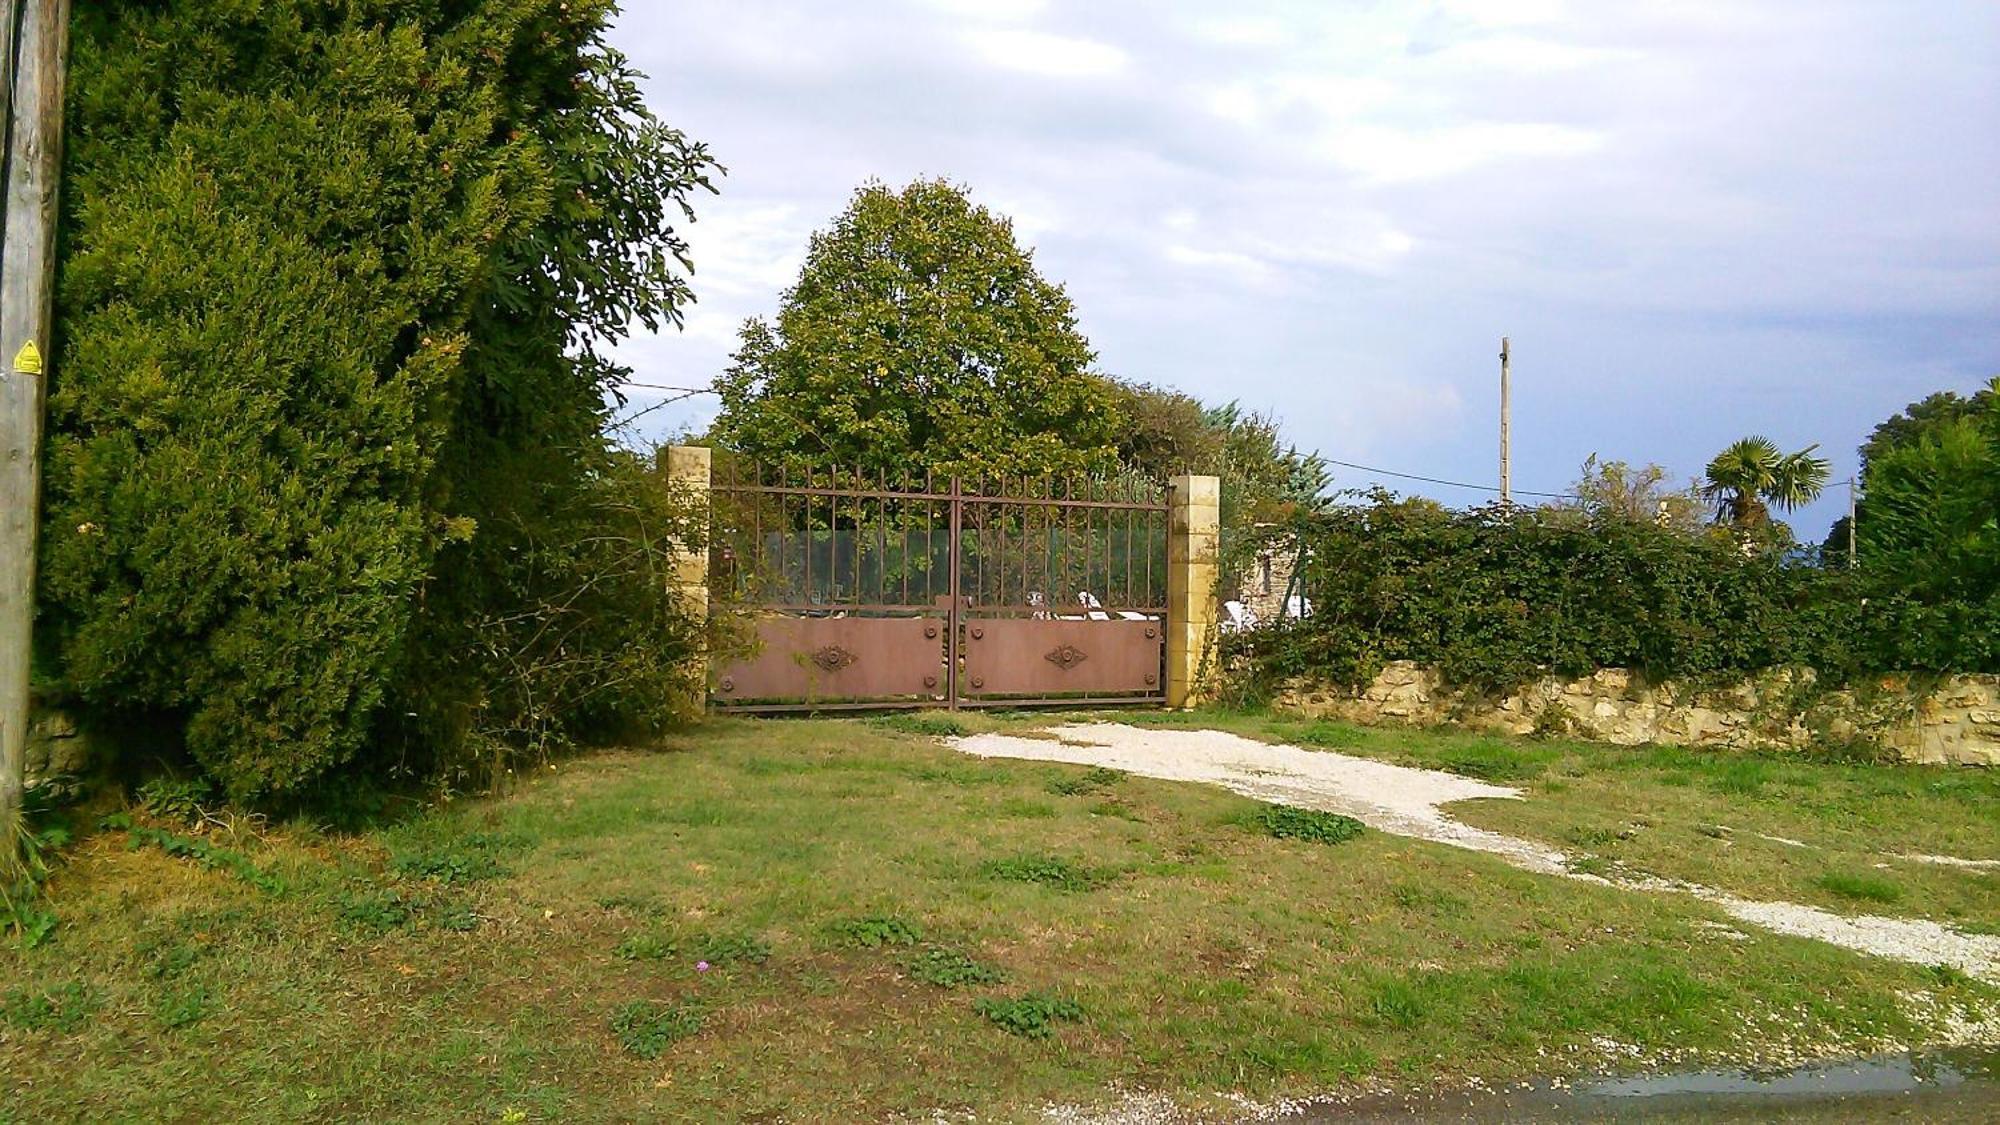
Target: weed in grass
{"points": [[647, 1028], [874, 932], [928, 724], [1330, 736], [774, 767], [1860, 887], [181, 1007], [1743, 777], [949, 968], [457, 918], [378, 912], [1045, 870], [1983, 929], [1947, 976], [1410, 1002], [1021, 808], [732, 948], [1592, 837], [62, 1009], [632, 904], [1589, 865], [178, 800], [1311, 1055], [169, 959], [701, 813], [1288, 823], [1428, 899], [645, 946], [966, 775], [201, 851], [1117, 809], [470, 859], [1033, 1015], [1096, 779], [31, 925], [1496, 761]]}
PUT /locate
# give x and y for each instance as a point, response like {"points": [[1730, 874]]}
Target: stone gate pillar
{"points": [[1194, 531], [688, 469]]}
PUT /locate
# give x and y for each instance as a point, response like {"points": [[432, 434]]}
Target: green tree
{"points": [[1617, 490], [1750, 477], [335, 280], [1922, 418], [1925, 418], [1264, 479], [1932, 519], [920, 336]]}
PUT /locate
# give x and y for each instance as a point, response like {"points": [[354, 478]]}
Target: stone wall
{"points": [[1952, 720], [56, 748], [1263, 587]]}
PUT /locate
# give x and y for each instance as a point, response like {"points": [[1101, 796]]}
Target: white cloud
{"points": [[1046, 54], [996, 11], [1391, 155], [1242, 268], [1242, 31], [1526, 55]]}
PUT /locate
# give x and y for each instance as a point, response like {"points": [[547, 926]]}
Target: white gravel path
{"points": [[1407, 802], [1953, 861]]}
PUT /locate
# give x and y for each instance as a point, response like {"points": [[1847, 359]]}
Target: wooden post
{"points": [[27, 284], [1506, 423], [1194, 541]]}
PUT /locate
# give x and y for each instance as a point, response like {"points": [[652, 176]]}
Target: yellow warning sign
{"points": [[29, 361]]}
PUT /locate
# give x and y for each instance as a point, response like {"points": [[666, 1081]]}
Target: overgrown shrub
{"points": [[1495, 598], [327, 410]]}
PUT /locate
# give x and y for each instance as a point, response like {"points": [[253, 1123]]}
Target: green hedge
{"points": [[325, 422], [1496, 597]]}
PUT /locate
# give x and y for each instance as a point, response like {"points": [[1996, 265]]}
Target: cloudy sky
{"points": [[1695, 220]]}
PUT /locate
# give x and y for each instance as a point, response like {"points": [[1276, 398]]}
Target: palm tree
{"points": [[1748, 479]]}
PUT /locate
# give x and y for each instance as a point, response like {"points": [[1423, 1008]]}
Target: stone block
{"points": [[56, 748]]}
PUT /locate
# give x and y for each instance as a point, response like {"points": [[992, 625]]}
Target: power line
{"points": [[687, 393], [664, 387], [1452, 483]]}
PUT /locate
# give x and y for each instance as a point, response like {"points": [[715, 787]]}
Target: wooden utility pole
{"points": [[1853, 512], [1506, 424], [38, 34]]}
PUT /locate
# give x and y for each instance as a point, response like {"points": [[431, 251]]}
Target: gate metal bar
{"points": [[768, 558]]}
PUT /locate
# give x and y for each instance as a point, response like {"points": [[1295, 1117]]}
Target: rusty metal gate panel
{"points": [[1081, 660], [871, 592], [839, 659]]}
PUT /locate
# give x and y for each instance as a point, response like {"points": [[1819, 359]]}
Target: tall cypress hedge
{"points": [[329, 402]]}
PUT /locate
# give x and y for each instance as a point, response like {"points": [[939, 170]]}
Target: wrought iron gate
{"points": [[868, 593]]}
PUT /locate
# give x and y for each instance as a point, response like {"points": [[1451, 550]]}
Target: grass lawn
{"points": [[889, 927], [1774, 826]]}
